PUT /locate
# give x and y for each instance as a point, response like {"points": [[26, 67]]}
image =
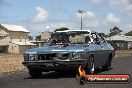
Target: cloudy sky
{"points": [[47, 15]]}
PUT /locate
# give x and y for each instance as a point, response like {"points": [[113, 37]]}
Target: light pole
{"points": [[81, 12]]}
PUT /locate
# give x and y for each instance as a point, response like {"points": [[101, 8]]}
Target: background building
{"points": [[14, 39], [120, 41], [45, 36], [42, 38]]}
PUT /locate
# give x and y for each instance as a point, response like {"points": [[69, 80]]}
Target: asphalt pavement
{"points": [[121, 65]]}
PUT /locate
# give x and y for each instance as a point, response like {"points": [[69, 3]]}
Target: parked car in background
{"points": [[67, 50]]}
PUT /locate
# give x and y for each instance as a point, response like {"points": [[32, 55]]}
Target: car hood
{"points": [[71, 48]]}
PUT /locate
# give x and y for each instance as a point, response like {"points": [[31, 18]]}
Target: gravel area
{"points": [[123, 53], [11, 63]]}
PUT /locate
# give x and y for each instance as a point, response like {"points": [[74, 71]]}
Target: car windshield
{"points": [[70, 38]]}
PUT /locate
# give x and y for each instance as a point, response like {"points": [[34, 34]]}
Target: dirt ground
{"points": [[123, 53], [11, 63]]}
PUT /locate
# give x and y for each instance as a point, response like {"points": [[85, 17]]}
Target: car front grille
{"points": [[53, 56]]}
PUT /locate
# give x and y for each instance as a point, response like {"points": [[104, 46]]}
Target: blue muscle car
{"points": [[66, 50]]}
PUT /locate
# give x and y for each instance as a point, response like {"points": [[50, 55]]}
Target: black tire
{"points": [[107, 66], [89, 68], [35, 73]]}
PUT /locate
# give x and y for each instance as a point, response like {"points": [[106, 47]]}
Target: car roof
{"points": [[75, 31]]}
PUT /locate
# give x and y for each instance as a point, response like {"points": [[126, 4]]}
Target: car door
{"points": [[103, 48], [102, 52], [98, 54]]}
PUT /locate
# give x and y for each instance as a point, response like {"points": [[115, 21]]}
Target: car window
{"points": [[95, 38], [102, 39], [70, 38], [77, 38]]}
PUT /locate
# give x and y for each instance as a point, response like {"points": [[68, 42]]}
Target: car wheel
{"points": [[35, 73], [89, 68], [107, 66]]}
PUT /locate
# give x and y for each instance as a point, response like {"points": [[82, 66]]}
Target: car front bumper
{"points": [[53, 65]]}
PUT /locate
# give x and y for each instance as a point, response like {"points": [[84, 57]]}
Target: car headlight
{"points": [[75, 55], [31, 57]]}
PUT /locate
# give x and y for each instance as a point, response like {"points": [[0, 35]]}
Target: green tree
{"points": [[129, 33], [115, 31], [61, 29]]}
